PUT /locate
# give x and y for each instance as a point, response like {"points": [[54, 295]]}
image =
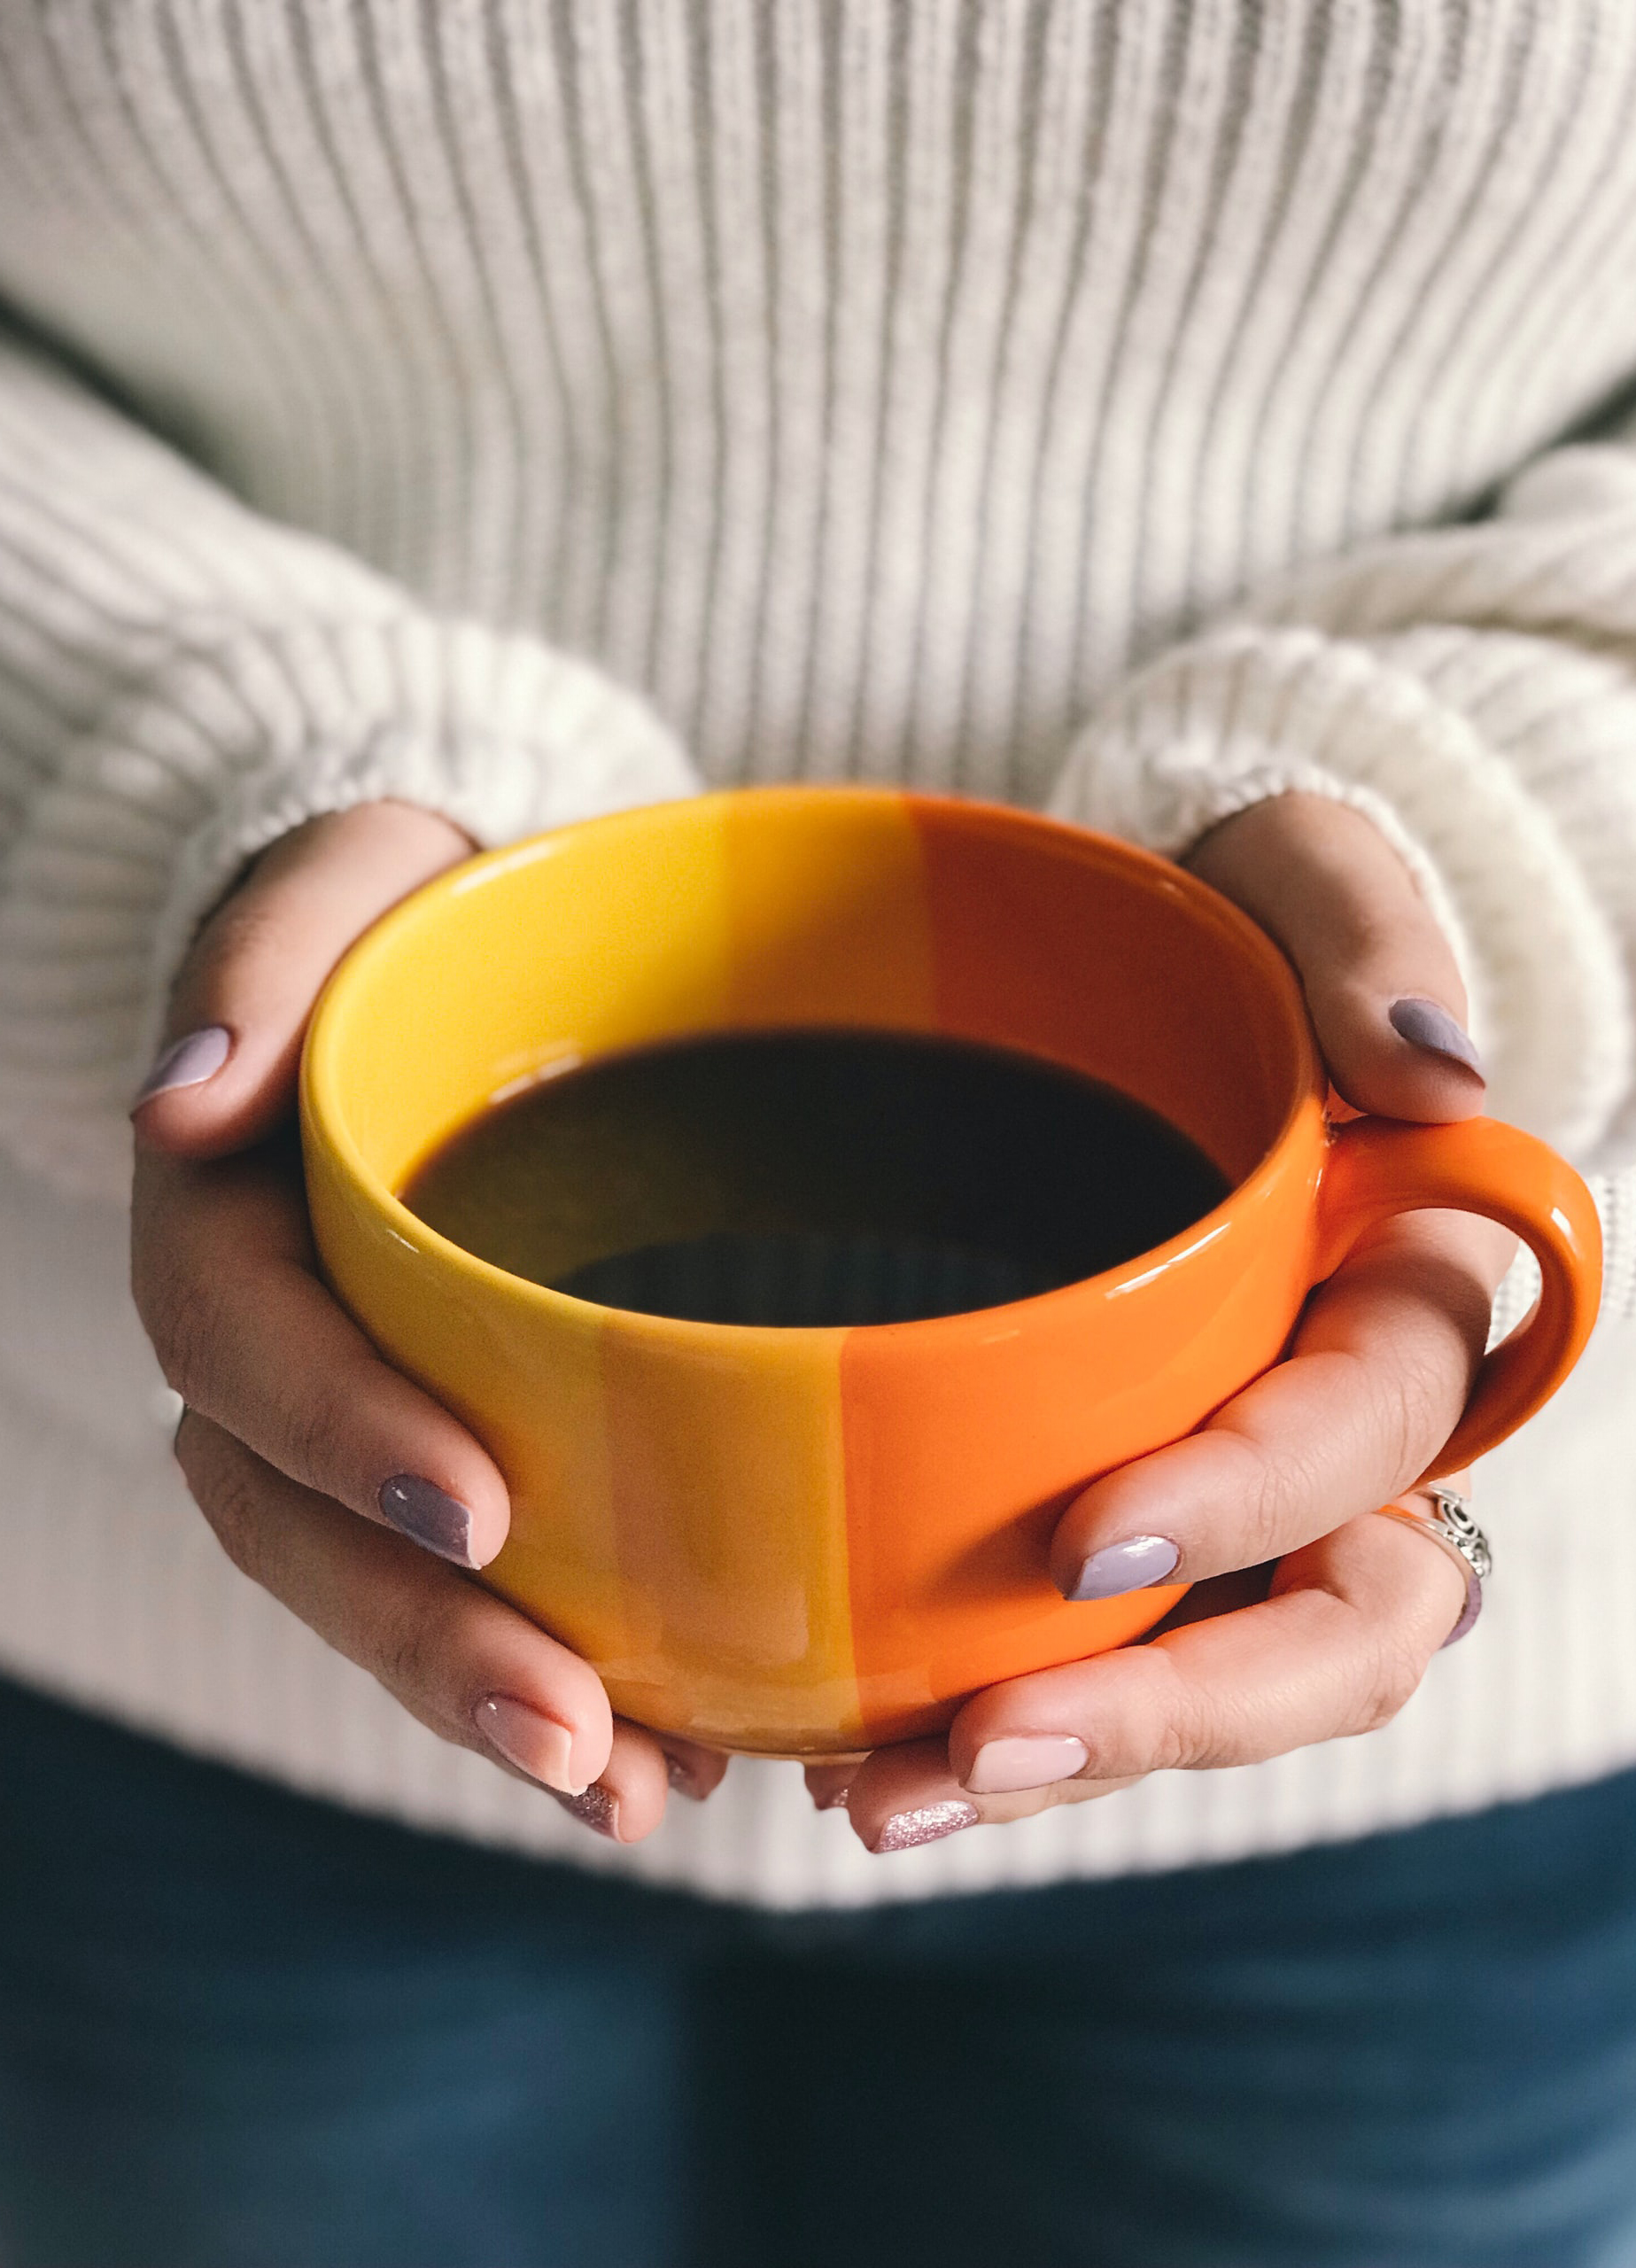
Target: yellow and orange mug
{"points": [[806, 1541]]}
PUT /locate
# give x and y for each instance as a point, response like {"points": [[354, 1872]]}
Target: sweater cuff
{"points": [[189, 774], [1213, 728]]}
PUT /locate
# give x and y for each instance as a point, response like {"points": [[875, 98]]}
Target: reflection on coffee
{"points": [[816, 1178]]}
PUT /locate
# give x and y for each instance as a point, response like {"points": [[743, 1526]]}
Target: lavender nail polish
{"points": [[187, 1062], [1129, 1566], [1423, 1024], [929, 1824], [595, 1809], [423, 1511]]}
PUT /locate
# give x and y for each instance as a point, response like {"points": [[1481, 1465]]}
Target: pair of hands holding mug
{"points": [[1311, 1618]]}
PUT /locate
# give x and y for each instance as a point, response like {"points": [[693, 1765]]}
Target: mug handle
{"points": [[1376, 1169]]}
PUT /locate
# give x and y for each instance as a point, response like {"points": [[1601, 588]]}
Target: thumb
{"points": [[225, 1073], [1382, 986]]}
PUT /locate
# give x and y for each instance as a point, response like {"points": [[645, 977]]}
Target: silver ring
{"points": [[1452, 1525]]}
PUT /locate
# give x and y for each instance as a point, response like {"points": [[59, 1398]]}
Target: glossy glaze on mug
{"points": [[804, 1542]]}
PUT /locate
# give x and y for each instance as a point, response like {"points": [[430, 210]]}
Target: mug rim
{"points": [[322, 1115]]}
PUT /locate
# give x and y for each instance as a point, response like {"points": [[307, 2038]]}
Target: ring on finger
{"points": [[1450, 1524]]}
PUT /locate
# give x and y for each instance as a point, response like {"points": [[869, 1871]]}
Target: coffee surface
{"points": [[813, 1177]]}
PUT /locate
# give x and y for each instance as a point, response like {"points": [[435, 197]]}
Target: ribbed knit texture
{"points": [[1133, 408]]}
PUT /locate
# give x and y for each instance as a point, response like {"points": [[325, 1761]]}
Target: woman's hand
{"points": [[314, 1461], [1313, 1617]]}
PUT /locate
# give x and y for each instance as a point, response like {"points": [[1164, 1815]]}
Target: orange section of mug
{"points": [[1063, 943], [966, 1438]]}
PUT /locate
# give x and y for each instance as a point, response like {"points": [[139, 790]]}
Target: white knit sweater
{"points": [[528, 407]]}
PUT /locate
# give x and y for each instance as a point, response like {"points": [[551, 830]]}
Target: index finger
{"points": [[1380, 1370]]}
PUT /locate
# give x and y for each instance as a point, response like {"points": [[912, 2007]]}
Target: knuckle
{"points": [[1191, 1731], [1412, 1410], [152, 1276], [1176, 1749], [312, 1442], [413, 1653], [179, 1320], [236, 1520], [1264, 1518], [404, 1648], [1275, 1488], [222, 1484], [185, 1446], [248, 922], [1214, 1734], [1395, 1670]]}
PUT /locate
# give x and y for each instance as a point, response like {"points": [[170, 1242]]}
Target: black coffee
{"points": [[815, 1178]]}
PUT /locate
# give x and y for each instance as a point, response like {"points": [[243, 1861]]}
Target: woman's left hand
{"points": [[1313, 1617]]}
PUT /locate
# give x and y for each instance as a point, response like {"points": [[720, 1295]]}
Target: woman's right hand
{"points": [[314, 1461]]}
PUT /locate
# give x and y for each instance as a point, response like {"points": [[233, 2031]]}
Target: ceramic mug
{"points": [[806, 1541]]}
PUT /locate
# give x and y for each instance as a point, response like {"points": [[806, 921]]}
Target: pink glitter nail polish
{"points": [[595, 1809], [929, 1824]]}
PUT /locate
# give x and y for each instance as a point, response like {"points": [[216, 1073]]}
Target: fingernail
{"points": [[421, 1510], [683, 1778], [1001, 1768], [929, 1824], [594, 1808], [1129, 1566], [536, 1743], [187, 1062], [1423, 1024], [836, 1800]]}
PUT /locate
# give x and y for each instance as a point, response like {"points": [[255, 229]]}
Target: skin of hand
{"points": [[298, 1443], [1313, 1618]]}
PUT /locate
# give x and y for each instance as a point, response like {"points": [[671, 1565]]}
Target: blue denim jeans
{"points": [[240, 2030]]}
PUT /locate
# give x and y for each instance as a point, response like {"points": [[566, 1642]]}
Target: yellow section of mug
{"points": [[828, 912], [726, 1476], [678, 1492], [602, 937]]}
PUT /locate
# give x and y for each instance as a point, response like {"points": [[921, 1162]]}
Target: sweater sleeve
{"points": [[1472, 689], [182, 681]]}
